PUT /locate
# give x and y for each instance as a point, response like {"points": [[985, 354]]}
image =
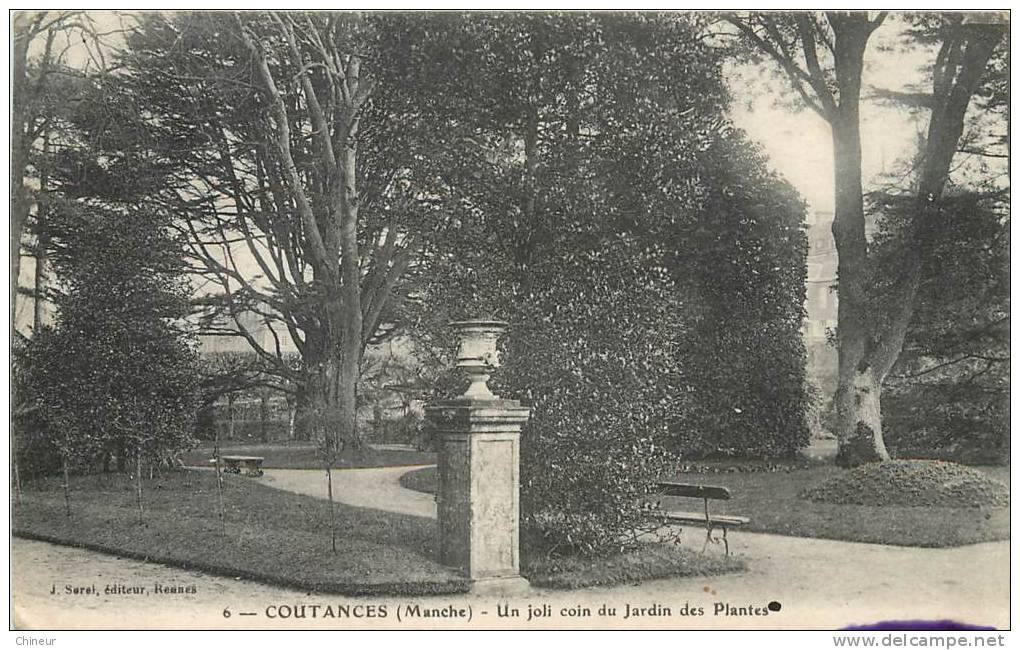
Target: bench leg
{"points": [[708, 538]]}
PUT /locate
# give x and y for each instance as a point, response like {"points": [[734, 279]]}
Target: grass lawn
{"points": [[302, 455], [424, 480], [282, 538], [271, 535], [770, 500], [648, 563]]}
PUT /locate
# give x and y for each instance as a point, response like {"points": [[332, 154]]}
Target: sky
{"points": [[798, 142]]}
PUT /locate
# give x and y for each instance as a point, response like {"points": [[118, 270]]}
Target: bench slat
{"points": [[699, 518], [677, 489]]}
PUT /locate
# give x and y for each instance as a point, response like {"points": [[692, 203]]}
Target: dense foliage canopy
{"points": [[115, 376], [650, 266], [948, 395]]}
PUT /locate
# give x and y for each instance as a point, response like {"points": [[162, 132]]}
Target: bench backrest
{"points": [[677, 489]]}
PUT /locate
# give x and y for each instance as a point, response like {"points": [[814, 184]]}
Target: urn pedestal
{"points": [[478, 498]]}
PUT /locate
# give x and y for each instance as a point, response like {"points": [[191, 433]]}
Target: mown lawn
{"points": [[303, 455], [269, 535], [771, 501], [650, 562], [283, 538]]}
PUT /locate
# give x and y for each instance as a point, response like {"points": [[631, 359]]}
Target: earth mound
{"points": [[911, 483]]}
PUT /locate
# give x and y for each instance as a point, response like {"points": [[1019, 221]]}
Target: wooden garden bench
{"points": [[234, 464], [709, 520]]}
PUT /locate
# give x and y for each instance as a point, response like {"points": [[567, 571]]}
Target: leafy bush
{"points": [[951, 421], [114, 376], [36, 449], [404, 429], [744, 358], [593, 355]]}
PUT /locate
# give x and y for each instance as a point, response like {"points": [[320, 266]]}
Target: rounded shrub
{"points": [[911, 483]]}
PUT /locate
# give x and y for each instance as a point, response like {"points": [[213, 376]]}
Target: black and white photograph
{"points": [[528, 319]]}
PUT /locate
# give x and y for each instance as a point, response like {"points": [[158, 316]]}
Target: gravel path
{"points": [[820, 584], [377, 488]]}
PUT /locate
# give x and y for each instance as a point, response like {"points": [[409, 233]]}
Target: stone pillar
{"points": [[479, 479]]}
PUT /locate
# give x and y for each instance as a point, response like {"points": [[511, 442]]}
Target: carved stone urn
{"points": [[477, 354]]}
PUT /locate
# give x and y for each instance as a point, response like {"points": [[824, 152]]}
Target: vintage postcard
{"points": [[507, 320]]}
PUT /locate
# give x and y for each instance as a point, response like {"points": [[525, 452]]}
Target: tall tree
{"points": [[115, 373], [949, 387], [822, 56], [305, 178], [41, 43], [25, 130]]}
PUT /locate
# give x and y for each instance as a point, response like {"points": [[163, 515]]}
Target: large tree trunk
{"points": [[303, 412], [309, 387], [352, 339], [858, 405], [347, 400], [327, 203], [326, 405], [327, 402], [858, 419], [867, 350]]}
